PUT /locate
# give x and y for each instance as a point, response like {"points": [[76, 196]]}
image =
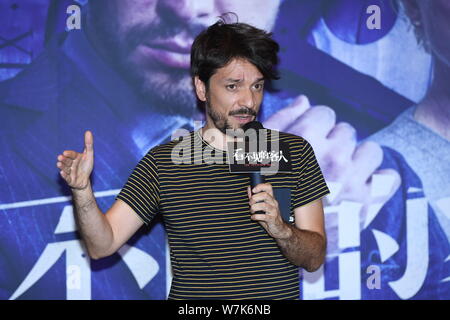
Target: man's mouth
{"points": [[171, 53], [242, 119]]}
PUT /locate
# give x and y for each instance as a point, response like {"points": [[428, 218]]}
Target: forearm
{"points": [[93, 226], [303, 248]]}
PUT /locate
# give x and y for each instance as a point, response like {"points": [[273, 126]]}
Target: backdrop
{"points": [[351, 72]]}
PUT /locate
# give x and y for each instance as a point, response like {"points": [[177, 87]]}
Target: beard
{"points": [[169, 90], [221, 121]]}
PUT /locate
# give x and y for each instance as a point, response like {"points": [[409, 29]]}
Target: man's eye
{"points": [[231, 87], [259, 86]]}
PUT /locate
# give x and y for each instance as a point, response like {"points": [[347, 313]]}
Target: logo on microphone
{"points": [[245, 149], [258, 158], [258, 149]]}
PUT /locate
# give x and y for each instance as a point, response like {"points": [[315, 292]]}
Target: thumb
{"points": [[88, 141]]}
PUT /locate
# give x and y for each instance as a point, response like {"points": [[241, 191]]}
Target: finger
{"points": [[263, 187], [63, 167], [67, 170], [70, 154], [65, 160], [62, 174], [267, 208], [88, 141], [249, 192], [261, 206], [286, 116], [345, 132], [342, 143], [64, 163], [366, 159], [262, 197], [315, 124], [259, 217], [66, 177]]}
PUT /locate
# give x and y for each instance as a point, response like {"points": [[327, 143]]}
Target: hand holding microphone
{"points": [[263, 204], [256, 177]]}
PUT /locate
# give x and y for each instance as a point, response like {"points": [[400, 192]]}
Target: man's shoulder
{"points": [[38, 83], [165, 149], [399, 132]]}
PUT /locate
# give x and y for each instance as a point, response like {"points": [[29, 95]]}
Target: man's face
{"points": [[435, 17], [149, 41], [233, 96]]}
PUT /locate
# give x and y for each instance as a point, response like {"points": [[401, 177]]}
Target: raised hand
{"points": [[76, 167]]}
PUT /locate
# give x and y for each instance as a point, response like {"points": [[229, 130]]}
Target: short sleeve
{"points": [[311, 184], [141, 191]]}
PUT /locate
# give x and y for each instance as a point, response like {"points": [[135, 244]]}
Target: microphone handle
{"points": [[256, 178]]}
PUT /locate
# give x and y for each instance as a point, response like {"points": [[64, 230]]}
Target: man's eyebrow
{"points": [[233, 80], [240, 80]]}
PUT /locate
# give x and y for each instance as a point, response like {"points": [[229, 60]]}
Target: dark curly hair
{"points": [[223, 42]]}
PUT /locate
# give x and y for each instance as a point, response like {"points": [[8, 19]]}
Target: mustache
{"points": [[162, 29], [243, 111]]}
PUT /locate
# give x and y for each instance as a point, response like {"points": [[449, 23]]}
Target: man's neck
{"points": [[215, 137], [434, 110]]}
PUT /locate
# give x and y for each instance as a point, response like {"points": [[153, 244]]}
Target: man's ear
{"points": [[200, 89]]}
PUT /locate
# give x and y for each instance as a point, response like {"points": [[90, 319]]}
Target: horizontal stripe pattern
{"points": [[311, 184], [217, 251]]}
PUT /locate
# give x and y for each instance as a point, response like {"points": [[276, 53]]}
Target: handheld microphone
{"points": [[257, 156], [255, 176]]}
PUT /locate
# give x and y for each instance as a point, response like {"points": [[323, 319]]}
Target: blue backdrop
{"points": [[359, 59]]}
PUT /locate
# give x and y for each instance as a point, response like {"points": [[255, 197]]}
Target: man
{"points": [[125, 76], [106, 77], [216, 253]]}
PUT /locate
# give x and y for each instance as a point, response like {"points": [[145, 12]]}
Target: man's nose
{"points": [[247, 99], [188, 10]]}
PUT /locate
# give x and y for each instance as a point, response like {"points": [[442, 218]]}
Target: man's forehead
{"points": [[239, 70]]}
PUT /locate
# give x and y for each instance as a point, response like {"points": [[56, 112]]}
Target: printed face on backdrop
{"points": [[437, 28], [433, 18], [149, 41], [233, 95]]}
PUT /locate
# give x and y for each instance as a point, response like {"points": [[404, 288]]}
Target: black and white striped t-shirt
{"points": [[217, 251]]}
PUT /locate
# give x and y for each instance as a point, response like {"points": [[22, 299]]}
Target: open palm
{"points": [[76, 167]]}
